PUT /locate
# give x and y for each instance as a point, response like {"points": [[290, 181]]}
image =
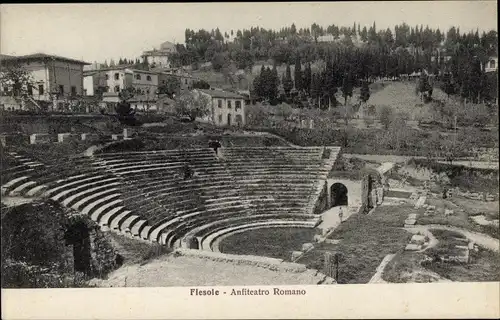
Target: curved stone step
{"points": [[89, 207], [96, 215], [36, 191], [52, 190], [19, 189], [85, 186], [78, 204], [209, 239], [106, 219]]}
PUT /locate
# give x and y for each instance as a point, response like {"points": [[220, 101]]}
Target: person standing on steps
{"points": [[341, 214], [214, 144]]}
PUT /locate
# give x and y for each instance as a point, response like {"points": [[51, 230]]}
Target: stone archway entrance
{"points": [[78, 235], [338, 195]]}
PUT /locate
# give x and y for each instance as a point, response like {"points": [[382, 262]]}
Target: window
{"points": [[73, 90], [163, 81], [237, 105], [107, 76], [220, 118], [5, 89], [229, 104], [61, 89], [148, 78], [117, 88], [30, 90], [185, 81], [138, 76], [40, 89], [492, 64], [117, 76], [147, 91], [219, 103]]}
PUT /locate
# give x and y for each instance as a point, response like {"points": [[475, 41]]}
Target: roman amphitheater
{"points": [[258, 210]]}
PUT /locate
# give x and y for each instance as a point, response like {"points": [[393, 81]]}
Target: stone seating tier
{"points": [[215, 226], [192, 215], [144, 192], [208, 226], [73, 182], [180, 230], [64, 193]]}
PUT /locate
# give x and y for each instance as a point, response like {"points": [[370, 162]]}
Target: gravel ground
{"points": [[190, 271]]}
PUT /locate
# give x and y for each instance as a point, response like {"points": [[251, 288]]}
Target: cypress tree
{"points": [[287, 81], [298, 74], [307, 78]]}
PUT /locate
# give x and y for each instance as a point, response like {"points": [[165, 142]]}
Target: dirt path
{"points": [[394, 158], [169, 271], [377, 277], [478, 238]]}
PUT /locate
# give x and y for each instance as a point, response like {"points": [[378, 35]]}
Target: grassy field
{"points": [[401, 97], [461, 218], [409, 266], [365, 241], [270, 242]]}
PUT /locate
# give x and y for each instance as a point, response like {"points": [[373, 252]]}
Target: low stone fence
{"points": [[41, 138]]}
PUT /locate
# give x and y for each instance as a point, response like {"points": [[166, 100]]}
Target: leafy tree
{"points": [[17, 78], [172, 86], [365, 92], [447, 85], [192, 105], [424, 86], [126, 114], [386, 116], [201, 84], [219, 61]]}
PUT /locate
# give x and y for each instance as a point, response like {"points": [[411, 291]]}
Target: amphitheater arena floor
{"points": [[189, 271]]}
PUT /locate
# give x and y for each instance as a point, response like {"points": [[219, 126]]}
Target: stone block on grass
{"points": [[413, 247], [307, 246], [296, 255], [418, 239], [410, 221], [448, 212]]}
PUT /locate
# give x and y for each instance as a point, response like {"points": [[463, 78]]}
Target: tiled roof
{"points": [[221, 94], [38, 56]]}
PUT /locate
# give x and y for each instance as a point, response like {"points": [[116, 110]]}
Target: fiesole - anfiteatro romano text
{"points": [[248, 292]]}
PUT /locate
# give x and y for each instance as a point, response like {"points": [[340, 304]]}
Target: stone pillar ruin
{"points": [[62, 136]]}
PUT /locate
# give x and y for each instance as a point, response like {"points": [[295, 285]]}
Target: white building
{"points": [[226, 109], [491, 65], [55, 80], [117, 79], [160, 57]]}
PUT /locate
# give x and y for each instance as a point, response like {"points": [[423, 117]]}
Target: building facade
{"points": [[115, 80], [54, 79], [186, 81], [226, 108], [491, 65], [160, 57]]}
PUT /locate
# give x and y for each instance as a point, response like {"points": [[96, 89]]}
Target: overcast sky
{"points": [[94, 32]]}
